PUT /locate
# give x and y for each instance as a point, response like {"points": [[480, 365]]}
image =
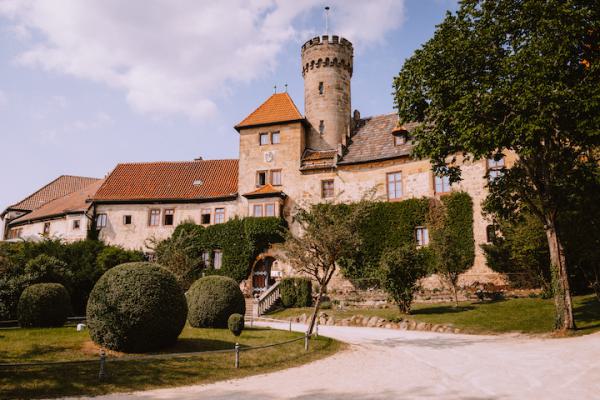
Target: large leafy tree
{"points": [[518, 76]]}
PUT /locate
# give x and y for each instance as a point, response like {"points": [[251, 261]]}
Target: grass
{"points": [[526, 315], [23, 345]]}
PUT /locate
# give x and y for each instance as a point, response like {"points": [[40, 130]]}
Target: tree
{"points": [[399, 271], [504, 76], [328, 233]]}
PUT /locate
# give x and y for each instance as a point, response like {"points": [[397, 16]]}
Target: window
{"points": [[263, 139], [399, 140], [422, 235], [15, 233], [490, 232], [495, 168], [101, 220], [205, 216], [257, 210], [169, 217], [46, 228], [269, 210], [126, 219], [321, 127], [154, 218], [261, 178], [275, 138], [76, 224], [442, 184], [219, 215], [321, 88], [394, 185], [276, 177], [218, 259], [327, 189], [206, 259]]}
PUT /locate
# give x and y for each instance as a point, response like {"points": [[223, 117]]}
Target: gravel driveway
{"points": [[393, 364]]}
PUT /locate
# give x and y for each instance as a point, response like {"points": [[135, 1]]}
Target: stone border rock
{"points": [[377, 322]]}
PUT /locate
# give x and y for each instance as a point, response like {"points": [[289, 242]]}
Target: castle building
{"points": [[286, 160]]}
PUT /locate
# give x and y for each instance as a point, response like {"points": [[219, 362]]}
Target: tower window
{"points": [[327, 189], [275, 138], [261, 178], [321, 88], [264, 139], [321, 127], [126, 219]]}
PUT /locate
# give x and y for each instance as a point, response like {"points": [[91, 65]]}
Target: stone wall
{"points": [[60, 228], [136, 234]]}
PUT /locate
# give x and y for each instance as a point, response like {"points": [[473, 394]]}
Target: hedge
{"points": [[212, 300], [296, 292], [235, 323], [136, 307], [44, 305]]}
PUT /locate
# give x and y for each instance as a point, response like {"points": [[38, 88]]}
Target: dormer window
{"points": [[399, 139]]}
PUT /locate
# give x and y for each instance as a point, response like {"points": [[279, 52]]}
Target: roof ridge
{"points": [[174, 162]]}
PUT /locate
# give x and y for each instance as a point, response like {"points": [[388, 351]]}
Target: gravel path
{"points": [[393, 364]]}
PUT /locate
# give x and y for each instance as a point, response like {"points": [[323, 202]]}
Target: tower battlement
{"points": [[327, 51]]}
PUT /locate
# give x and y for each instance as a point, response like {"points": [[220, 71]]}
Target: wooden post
{"points": [[306, 341], [290, 324], [237, 355], [102, 372]]}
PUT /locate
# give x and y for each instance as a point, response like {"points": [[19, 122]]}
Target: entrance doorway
{"points": [[261, 275]]}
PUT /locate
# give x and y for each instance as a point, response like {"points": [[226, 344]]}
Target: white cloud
{"points": [[178, 57]]}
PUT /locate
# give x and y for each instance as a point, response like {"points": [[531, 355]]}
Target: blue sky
{"points": [[85, 85]]}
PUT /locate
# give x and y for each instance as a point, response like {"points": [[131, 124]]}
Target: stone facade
{"points": [[137, 233]]}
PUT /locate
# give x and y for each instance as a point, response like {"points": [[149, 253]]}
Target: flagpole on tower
{"points": [[327, 20]]}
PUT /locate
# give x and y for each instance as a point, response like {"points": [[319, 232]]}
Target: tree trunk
{"points": [[560, 278], [313, 319], [455, 293]]}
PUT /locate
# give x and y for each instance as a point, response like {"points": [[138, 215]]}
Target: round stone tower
{"points": [[327, 70]]}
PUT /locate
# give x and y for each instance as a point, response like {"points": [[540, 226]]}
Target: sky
{"points": [[86, 84]]}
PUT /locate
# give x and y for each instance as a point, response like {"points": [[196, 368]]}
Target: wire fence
{"points": [[103, 358]]}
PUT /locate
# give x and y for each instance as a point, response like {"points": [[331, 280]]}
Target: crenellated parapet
{"points": [[327, 51]]}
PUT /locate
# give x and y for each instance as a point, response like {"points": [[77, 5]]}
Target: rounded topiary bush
{"points": [[211, 300], [44, 305], [136, 307], [235, 323]]}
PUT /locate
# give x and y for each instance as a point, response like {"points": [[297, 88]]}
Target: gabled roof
{"points": [[373, 140], [76, 202], [178, 180], [278, 108], [59, 187], [267, 190]]}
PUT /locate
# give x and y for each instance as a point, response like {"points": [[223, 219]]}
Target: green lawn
{"points": [[528, 315], [22, 345]]}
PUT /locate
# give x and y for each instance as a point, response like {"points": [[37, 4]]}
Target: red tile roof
{"points": [[267, 190], [278, 108], [59, 187], [179, 180], [76, 202]]}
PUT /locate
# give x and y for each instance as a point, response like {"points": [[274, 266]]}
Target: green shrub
{"points": [[212, 299], [136, 307], [45, 268], [326, 305], [296, 292], [44, 305], [235, 323], [400, 270], [111, 256]]}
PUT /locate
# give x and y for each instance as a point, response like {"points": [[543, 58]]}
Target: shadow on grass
{"points": [[588, 313], [441, 310]]}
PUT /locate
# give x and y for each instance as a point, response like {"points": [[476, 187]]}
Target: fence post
{"points": [[251, 321], [290, 324], [306, 341], [102, 372], [317, 330], [237, 355]]}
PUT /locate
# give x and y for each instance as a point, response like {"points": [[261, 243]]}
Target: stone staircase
{"points": [[256, 307]]}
